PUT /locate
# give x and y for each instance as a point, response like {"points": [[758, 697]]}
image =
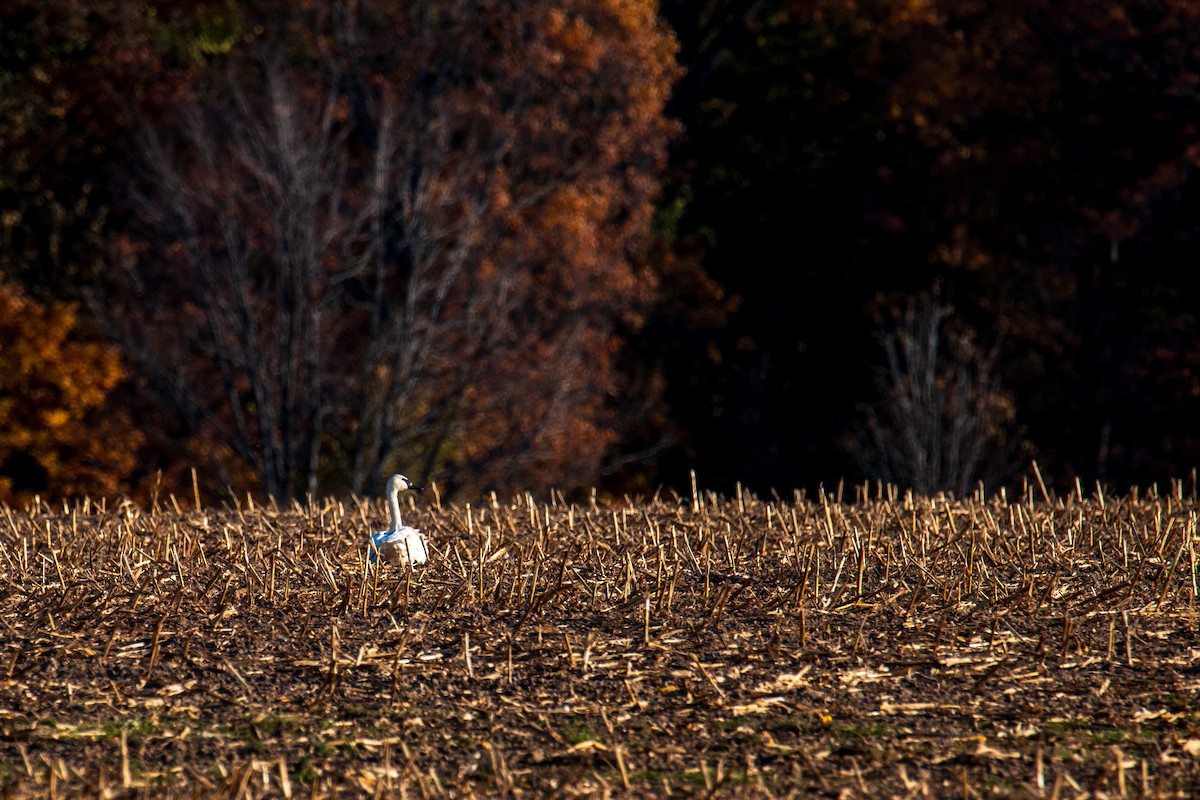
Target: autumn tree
{"points": [[59, 434], [407, 236]]}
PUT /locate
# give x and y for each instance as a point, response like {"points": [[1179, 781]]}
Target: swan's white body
{"points": [[403, 544]]}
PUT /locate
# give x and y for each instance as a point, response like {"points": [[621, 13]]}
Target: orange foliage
{"points": [[57, 436]]}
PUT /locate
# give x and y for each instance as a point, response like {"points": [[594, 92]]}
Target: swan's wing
{"points": [[403, 546], [412, 545], [414, 542], [377, 540]]}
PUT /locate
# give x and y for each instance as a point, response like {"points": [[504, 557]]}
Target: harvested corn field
{"points": [[890, 646]]}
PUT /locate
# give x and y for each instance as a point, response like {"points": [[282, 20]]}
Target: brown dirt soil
{"points": [[890, 647]]}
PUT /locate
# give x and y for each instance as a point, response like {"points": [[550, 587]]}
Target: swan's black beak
{"points": [[415, 488]]}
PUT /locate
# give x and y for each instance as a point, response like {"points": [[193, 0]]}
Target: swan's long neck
{"points": [[393, 493]]}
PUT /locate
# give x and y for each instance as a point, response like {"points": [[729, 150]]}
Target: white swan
{"points": [[402, 544]]}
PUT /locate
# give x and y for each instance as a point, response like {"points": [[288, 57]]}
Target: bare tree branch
{"points": [[942, 419]]}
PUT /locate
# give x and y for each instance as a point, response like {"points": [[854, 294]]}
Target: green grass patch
{"points": [[303, 773], [1066, 727], [277, 725], [874, 731], [134, 728], [578, 732], [797, 723], [695, 778], [1109, 736]]}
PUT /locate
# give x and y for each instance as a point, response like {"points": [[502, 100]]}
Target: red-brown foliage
{"points": [[406, 238]]}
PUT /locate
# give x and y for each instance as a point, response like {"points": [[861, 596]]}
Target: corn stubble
{"points": [[697, 646]]}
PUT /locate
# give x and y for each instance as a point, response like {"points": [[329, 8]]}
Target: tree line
{"points": [[568, 243]]}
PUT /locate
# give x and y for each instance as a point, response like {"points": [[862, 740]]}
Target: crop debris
{"points": [[699, 646]]}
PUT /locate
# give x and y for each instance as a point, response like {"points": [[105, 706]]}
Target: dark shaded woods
{"points": [[596, 242]]}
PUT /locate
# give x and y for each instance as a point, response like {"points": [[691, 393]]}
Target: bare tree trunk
{"points": [[252, 189]]}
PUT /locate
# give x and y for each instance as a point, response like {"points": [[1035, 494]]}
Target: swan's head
{"points": [[399, 482]]}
